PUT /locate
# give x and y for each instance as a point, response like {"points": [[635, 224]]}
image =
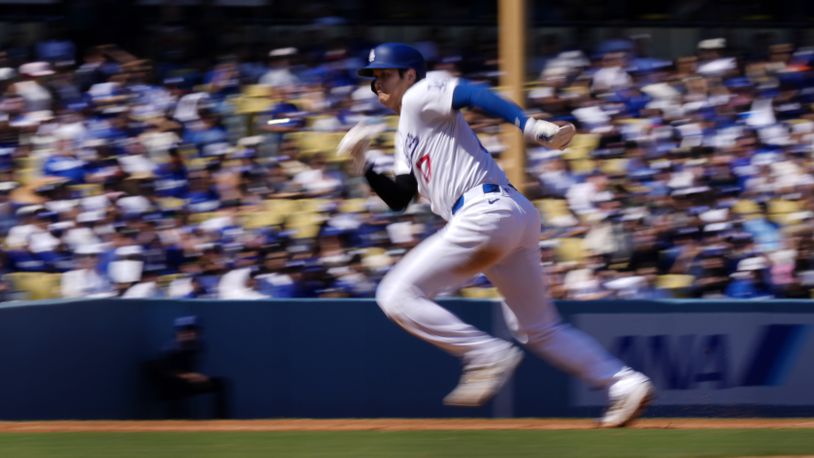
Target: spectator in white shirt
{"points": [[612, 75], [32, 234], [240, 282], [582, 197], [318, 180], [85, 280], [36, 95], [279, 74]]}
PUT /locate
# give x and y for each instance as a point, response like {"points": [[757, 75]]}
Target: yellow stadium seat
{"points": [[746, 207], [676, 284], [27, 175], [480, 293], [281, 206], [261, 219], [314, 205], [780, 210], [617, 166], [552, 208], [317, 142], [36, 285], [198, 218], [583, 166], [257, 90], [571, 249], [581, 146], [197, 163], [284, 206], [24, 162], [251, 105], [86, 189], [171, 203], [356, 205], [304, 225]]}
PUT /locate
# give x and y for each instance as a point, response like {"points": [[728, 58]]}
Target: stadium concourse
{"points": [[125, 177]]}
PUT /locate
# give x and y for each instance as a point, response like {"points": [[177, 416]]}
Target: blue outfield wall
{"points": [[344, 358]]}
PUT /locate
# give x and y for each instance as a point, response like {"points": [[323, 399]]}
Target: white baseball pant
{"points": [[497, 234]]}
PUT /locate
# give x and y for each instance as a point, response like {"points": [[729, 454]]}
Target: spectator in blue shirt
{"points": [[748, 281], [65, 163]]}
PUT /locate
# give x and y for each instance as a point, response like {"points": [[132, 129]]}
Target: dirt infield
{"points": [[389, 424]]}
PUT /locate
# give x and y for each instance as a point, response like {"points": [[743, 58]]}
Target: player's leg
{"points": [[467, 245], [405, 295], [536, 323]]}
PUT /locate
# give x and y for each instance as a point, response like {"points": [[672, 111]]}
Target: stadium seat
{"points": [[376, 259], [582, 166], [281, 206], [314, 205], [261, 219], [171, 203], [677, 285], [581, 146], [251, 105], [36, 285], [26, 176], [745, 207], [480, 293], [198, 218], [571, 249], [29, 161], [617, 166], [781, 211], [257, 90], [304, 225], [86, 189], [552, 208], [317, 142], [357, 205]]}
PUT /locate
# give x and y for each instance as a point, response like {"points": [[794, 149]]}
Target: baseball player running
{"points": [[491, 228]]}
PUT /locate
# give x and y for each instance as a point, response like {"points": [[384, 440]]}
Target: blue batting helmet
{"points": [[394, 55]]}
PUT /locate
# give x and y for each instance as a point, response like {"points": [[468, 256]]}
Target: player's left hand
{"points": [[563, 137], [355, 143], [549, 134]]}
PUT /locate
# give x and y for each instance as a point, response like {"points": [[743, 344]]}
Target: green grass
{"points": [[493, 444]]}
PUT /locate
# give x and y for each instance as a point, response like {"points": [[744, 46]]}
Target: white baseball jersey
{"points": [[436, 144]]}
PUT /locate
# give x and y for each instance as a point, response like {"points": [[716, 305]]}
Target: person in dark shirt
{"points": [[177, 369]]}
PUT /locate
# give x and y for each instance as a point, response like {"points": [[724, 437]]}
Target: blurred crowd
{"points": [[123, 177]]}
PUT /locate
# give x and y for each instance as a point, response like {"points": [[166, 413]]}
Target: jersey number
{"points": [[424, 165]]}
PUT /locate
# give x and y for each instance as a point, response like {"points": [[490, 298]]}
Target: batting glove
{"points": [[355, 143], [548, 134]]}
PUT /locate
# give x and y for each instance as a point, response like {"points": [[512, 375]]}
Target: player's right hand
{"points": [[549, 134], [355, 143]]}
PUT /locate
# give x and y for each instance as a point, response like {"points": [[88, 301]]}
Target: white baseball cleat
{"points": [[479, 383], [629, 396]]}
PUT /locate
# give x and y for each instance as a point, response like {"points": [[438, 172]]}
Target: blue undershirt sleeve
{"points": [[478, 96]]}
